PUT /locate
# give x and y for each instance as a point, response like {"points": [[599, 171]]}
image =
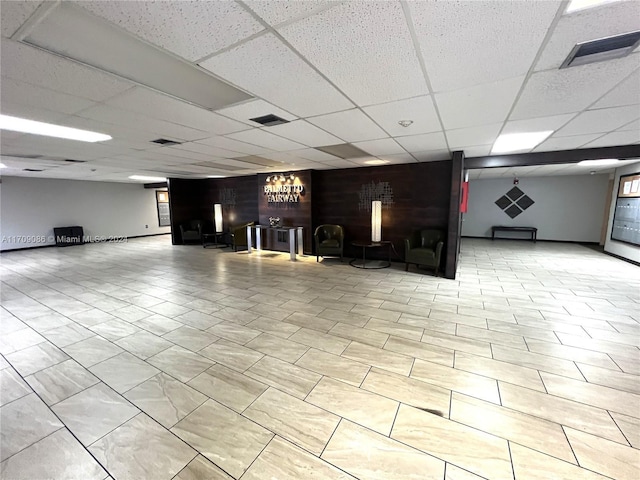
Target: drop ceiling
{"points": [[339, 72]]}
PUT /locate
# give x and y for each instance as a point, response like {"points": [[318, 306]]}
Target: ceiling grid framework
{"points": [[338, 71]]}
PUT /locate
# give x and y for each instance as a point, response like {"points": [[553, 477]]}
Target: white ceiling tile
{"points": [[482, 104], [313, 155], [585, 25], [12, 90], [419, 109], [423, 143], [266, 140], [190, 29], [31, 65], [600, 121], [616, 138], [14, 14], [275, 13], [482, 135], [384, 146], [398, 158], [474, 42], [157, 105], [208, 150], [539, 124], [553, 144], [367, 50], [432, 156], [625, 93], [269, 69], [253, 109], [476, 150], [305, 133], [243, 148], [571, 89], [635, 125], [474, 174], [107, 114], [340, 163], [351, 126], [121, 133], [32, 112]]}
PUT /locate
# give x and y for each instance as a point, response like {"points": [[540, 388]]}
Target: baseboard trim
{"points": [[620, 257], [85, 243], [539, 240]]}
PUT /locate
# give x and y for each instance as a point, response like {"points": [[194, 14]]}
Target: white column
{"points": [[258, 238], [300, 242], [292, 244], [249, 239]]}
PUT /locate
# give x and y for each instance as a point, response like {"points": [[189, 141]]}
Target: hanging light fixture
{"points": [[376, 221]]}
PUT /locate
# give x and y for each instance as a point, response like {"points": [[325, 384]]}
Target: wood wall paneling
{"points": [[453, 231]]}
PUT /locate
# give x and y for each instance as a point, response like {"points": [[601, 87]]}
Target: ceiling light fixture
{"points": [[513, 142], [144, 178], [405, 123], [216, 176], [16, 124], [575, 5], [2, 165], [377, 161], [598, 163]]}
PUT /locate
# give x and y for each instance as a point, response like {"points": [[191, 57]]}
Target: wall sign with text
{"points": [[283, 189]]}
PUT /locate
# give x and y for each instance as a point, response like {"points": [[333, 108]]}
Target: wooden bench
{"points": [[532, 230]]}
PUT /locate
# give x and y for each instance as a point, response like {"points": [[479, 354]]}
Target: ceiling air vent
{"points": [[70, 160], [269, 120], [32, 170], [164, 141], [602, 49]]}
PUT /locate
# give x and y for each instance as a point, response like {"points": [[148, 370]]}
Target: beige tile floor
{"points": [[148, 361]]}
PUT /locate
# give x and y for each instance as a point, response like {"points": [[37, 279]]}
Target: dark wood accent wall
{"points": [[185, 203], [453, 231], [292, 214], [420, 199]]}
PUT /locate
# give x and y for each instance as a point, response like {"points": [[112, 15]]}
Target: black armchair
{"points": [[424, 247], [329, 240], [238, 235], [191, 231]]}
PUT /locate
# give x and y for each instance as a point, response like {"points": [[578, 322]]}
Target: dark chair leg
{"points": [[317, 258]]}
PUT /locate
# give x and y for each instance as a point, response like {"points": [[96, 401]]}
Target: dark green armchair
{"points": [[424, 247], [238, 235], [329, 240], [191, 231]]}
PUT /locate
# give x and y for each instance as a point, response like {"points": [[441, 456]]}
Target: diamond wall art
{"points": [[514, 202]]}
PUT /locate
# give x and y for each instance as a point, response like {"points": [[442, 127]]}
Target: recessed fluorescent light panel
{"points": [[515, 142], [575, 5], [23, 125], [73, 32], [216, 176], [144, 178], [376, 162], [2, 165], [598, 163]]}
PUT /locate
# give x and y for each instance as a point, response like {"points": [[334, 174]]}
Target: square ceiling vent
{"points": [[269, 120], [602, 49]]}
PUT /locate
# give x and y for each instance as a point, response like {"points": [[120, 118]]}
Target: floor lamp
{"points": [[376, 221]]}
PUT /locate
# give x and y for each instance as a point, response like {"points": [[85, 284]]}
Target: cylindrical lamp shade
{"points": [[376, 221], [217, 216]]}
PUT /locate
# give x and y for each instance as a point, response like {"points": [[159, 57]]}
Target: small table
{"points": [[356, 262], [499, 228], [212, 240]]}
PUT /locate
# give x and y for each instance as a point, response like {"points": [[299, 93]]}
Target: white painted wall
{"points": [[32, 207], [566, 208], [624, 250]]}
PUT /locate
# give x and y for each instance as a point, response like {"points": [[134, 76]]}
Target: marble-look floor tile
{"points": [[274, 327], [377, 357], [231, 355], [627, 364], [299, 422], [362, 335], [143, 344], [94, 412], [321, 341], [599, 345], [529, 464], [522, 331], [67, 334], [630, 427], [235, 315], [123, 371], [431, 353], [559, 410], [433, 324], [510, 340], [456, 473], [476, 451], [190, 338], [310, 321], [377, 456], [158, 324], [289, 378], [277, 347], [12, 386], [283, 461], [227, 439], [165, 399], [24, 422], [168, 309], [114, 329], [142, 449], [91, 351], [180, 363], [234, 332], [198, 320], [202, 469], [375, 312], [60, 381], [507, 372], [18, 340], [408, 391], [604, 456], [591, 394], [58, 456], [340, 368], [609, 378], [457, 380], [575, 354], [396, 329], [228, 387], [536, 361], [365, 408], [38, 357], [88, 318], [533, 432], [453, 342], [47, 322]]}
